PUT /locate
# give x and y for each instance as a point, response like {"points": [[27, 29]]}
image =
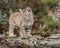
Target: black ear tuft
{"points": [[29, 10]]}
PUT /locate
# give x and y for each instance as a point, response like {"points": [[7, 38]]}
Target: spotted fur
{"points": [[16, 20], [23, 19]]}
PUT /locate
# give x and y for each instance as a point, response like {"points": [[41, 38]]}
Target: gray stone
{"points": [[54, 36]]}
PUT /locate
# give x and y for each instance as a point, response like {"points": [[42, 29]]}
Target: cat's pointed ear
{"points": [[21, 11], [29, 9], [10, 11]]}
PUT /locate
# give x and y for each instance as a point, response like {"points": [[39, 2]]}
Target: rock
{"points": [[37, 37], [32, 42], [54, 36]]}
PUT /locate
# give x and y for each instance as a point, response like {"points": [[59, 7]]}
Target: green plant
{"points": [[48, 21], [43, 32], [49, 2]]}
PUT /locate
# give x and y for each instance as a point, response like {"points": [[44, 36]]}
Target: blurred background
{"points": [[46, 15]]}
